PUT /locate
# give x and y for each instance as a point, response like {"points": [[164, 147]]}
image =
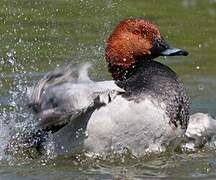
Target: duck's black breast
{"points": [[160, 82]]}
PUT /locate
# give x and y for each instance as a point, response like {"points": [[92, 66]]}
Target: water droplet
{"points": [[201, 87], [11, 57]]}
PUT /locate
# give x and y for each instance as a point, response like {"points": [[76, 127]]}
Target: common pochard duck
{"points": [[144, 108]]}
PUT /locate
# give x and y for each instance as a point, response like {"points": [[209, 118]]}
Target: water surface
{"points": [[38, 36]]}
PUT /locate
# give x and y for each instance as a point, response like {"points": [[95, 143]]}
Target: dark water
{"points": [[38, 36]]}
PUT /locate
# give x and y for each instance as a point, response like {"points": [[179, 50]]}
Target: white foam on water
{"points": [[201, 131]]}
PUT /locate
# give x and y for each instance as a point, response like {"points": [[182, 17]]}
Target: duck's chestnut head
{"points": [[135, 40]]}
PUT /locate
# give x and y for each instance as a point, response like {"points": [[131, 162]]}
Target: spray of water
{"points": [[17, 123]]}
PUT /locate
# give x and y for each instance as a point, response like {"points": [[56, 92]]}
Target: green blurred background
{"points": [[39, 35]]}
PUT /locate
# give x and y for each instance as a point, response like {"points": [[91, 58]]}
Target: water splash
{"points": [[15, 119]]}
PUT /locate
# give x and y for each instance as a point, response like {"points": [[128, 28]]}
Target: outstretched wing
{"points": [[62, 96]]}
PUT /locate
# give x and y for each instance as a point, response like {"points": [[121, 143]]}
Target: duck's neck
{"points": [[121, 72]]}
